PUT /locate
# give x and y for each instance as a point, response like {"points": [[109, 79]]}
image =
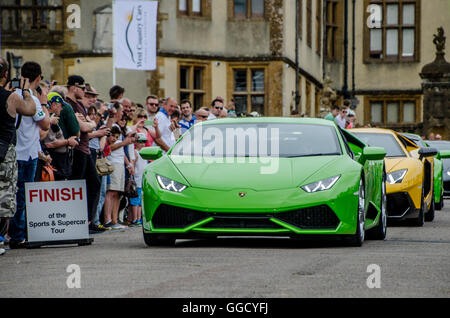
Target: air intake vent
{"points": [[318, 217]]}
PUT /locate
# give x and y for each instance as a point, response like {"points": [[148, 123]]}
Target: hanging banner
{"points": [[56, 211], [135, 34]]}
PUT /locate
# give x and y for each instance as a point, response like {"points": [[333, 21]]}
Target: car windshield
{"points": [[439, 145], [387, 141], [259, 140], [416, 139]]}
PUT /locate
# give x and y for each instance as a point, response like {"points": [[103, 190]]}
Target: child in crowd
{"points": [[135, 211]]}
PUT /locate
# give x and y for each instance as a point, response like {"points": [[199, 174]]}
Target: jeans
{"points": [[18, 223], [83, 168], [101, 200]]}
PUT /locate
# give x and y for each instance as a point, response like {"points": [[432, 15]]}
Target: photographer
{"points": [[55, 143], [10, 106], [27, 149], [83, 167]]}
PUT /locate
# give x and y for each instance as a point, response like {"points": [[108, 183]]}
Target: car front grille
{"points": [[398, 204], [171, 217], [318, 217]]}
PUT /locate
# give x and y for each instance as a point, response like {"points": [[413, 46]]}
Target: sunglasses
{"points": [[81, 87], [218, 107], [142, 116], [203, 116], [152, 104]]}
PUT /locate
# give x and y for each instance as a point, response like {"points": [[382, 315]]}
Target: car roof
{"points": [[279, 120], [373, 130]]}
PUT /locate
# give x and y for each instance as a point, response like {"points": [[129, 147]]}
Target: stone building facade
{"points": [[245, 50]]}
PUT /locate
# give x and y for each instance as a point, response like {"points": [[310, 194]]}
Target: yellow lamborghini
{"points": [[409, 180]]}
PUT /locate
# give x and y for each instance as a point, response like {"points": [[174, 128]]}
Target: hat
{"points": [[90, 90], [75, 80], [54, 97], [141, 137]]}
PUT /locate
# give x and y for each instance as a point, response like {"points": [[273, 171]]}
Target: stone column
{"points": [[436, 89]]}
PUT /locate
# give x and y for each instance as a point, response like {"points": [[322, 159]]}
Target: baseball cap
{"points": [[141, 137], [75, 80], [54, 97]]}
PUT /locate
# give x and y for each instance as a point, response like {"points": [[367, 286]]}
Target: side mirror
{"points": [[444, 154], [427, 152], [373, 153], [151, 153]]}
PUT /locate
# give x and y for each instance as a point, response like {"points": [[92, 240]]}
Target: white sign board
{"points": [[56, 211], [135, 34]]}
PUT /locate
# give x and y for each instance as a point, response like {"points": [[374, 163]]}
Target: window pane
{"points": [[196, 6], [257, 7], [184, 77], [392, 42], [184, 95], [392, 14], [408, 14], [240, 103], [182, 5], [198, 101], [376, 40], [258, 104], [392, 112], [258, 80], [240, 7], [376, 110], [408, 42], [240, 80], [197, 78], [409, 112]]}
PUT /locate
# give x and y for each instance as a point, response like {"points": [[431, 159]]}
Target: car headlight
{"points": [[448, 173], [170, 185], [321, 185], [396, 176]]}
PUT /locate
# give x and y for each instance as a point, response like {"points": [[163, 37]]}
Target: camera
{"points": [[15, 83], [77, 140]]}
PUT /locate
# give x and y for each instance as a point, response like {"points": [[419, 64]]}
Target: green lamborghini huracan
{"points": [[290, 177]]}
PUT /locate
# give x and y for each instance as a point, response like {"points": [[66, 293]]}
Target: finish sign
{"points": [[56, 211]]}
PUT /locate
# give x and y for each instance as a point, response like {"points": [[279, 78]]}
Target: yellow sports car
{"points": [[409, 180]]}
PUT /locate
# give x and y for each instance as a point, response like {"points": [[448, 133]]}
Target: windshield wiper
{"points": [[315, 155]]}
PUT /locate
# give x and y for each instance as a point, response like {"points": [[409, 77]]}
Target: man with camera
{"points": [[55, 142], [10, 105], [27, 149], [83, 167]]}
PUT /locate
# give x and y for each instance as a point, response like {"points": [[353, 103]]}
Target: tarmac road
{"points": [[412, 262]]}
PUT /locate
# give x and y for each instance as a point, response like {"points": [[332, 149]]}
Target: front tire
{"points": [[379, 232], [429, 216], [421, 217], [357, 239]]}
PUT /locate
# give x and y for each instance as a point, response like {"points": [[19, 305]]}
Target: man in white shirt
{"points": [[341, 117], [27, 149], [167, 139]]}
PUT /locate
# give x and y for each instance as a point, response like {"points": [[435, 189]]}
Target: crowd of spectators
{"points": [[59, 132]]}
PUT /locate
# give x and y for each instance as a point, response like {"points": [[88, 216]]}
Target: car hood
{"points": [[394, 164], [272, 174]]}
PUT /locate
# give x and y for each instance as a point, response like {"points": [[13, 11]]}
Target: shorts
{"points": [[116, 180], [8, 184], [137, 201]]}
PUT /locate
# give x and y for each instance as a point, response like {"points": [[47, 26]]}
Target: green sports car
{"points": [[264, 177], [438, 172]]}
